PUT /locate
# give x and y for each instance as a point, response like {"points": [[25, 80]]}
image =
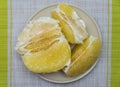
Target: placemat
{"points": [[15, 13]]}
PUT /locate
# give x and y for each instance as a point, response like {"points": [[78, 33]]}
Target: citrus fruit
{"points": [[43, 47], [73, 27], [83, 56]]}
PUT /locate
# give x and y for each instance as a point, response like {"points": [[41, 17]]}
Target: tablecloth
{"points": [[15, 13]]}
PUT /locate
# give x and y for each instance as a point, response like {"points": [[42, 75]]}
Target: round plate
{"points": [[92, 29]]}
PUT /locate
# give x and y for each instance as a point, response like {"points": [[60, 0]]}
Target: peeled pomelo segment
{"points": [[37, 33], [36, 27], [49, 60], [72, 26], [84, 56], [43, 47], [65, 28], [44, 40]]}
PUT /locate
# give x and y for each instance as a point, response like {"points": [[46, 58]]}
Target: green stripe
{"points": [[115, 73], [3, 43]]}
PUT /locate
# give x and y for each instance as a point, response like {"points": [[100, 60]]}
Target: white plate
{"points": [[92, 29]]}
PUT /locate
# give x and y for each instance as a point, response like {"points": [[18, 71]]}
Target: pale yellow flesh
{"points": [[45, 49], [73, 31], [50, 60], [65, 28], [44, 40], [84, 56]]}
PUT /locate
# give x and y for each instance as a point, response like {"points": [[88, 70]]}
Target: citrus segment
{"points": [[50, 60], [84, 56], [72, 25], [43, 47]]}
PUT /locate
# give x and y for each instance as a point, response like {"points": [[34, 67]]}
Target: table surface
{"points": [[22, 10]]}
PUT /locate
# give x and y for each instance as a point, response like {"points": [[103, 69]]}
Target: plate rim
{"points": [[98, 30]]}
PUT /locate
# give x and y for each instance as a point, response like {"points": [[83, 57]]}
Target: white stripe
{"points": [[9, 43], [110, 44]]}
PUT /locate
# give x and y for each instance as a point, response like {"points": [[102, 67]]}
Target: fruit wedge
{"points": [[43, 47], [73, 27], [83, 56]]}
